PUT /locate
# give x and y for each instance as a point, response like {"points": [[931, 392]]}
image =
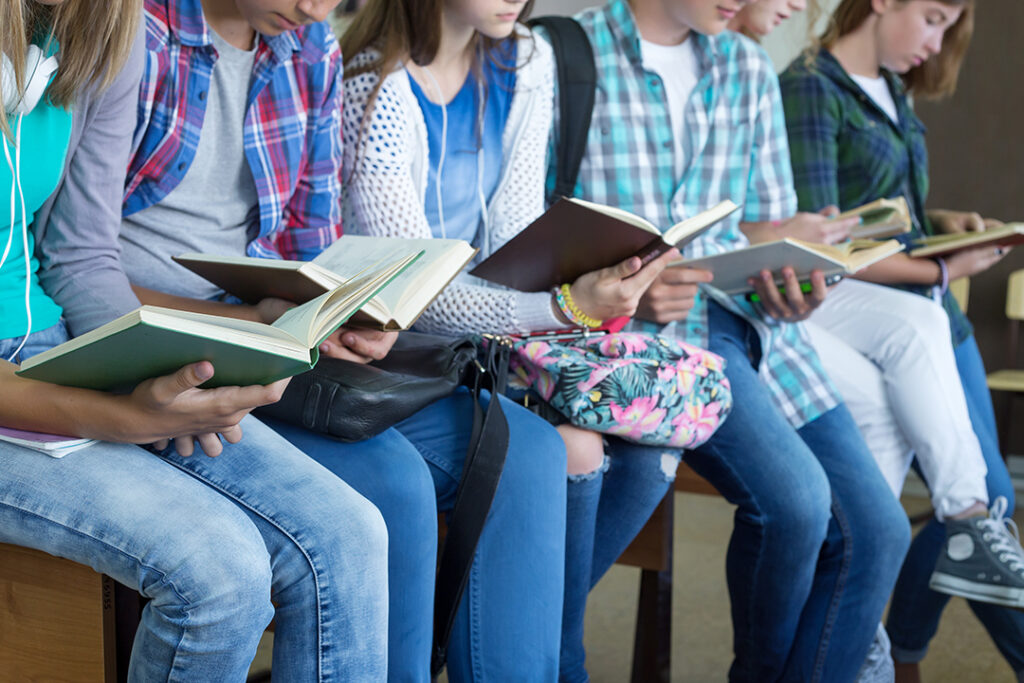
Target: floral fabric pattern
{"points": [[650, 389]]}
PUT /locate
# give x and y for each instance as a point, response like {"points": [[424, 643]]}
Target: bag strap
{"points": [[485, 459], [577, 81]]}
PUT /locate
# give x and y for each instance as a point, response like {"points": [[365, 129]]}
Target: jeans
{"points": [[921, 408], [606, 509], [211, 541], [513, 603], [818, 536], [916, 609]]}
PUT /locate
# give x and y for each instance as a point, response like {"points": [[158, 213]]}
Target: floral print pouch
{"points": [[653, 390]]}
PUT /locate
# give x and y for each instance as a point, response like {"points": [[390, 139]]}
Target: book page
{"points": [[621, 214], [410, 292], [695, 224]]}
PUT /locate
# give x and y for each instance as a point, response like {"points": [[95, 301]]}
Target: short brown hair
{"points": [[95, 39], [937, 77]]}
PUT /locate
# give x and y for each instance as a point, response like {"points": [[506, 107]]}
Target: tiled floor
{"points": [[701, 649]]}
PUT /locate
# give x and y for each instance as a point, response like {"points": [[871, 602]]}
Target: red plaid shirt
{"points": [[292, 126]]}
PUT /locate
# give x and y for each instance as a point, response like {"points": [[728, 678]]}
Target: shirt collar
{"points": [[186, 21], [623, 26]]}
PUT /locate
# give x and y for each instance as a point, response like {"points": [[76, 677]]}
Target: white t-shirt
{"points": [[677, 66], [878, 90]]}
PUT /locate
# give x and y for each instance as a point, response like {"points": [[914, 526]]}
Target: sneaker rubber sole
{"points": [[1007, 596]]}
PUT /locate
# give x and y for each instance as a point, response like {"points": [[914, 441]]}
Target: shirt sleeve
{"points": [[77, 230], [770, 195], [812, 121], [312, 217]]}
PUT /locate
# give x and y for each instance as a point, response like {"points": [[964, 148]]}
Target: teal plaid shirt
{"points": [[846, 151], [735, 147]]}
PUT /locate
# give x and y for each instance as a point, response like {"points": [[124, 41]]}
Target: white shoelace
{"points": [[1004, 536]]}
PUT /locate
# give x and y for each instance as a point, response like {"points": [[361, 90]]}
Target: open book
{"points": [[941, 245], [54, 445], [880, 218], [574, 237], [396, 307], [733, 268], [152, 341]]}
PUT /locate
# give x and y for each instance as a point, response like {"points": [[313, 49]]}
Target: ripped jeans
{"points": [[606, 510]]}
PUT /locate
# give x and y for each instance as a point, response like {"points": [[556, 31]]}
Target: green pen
{"points": [[805, 287]]}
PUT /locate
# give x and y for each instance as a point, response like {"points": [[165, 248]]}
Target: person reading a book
{"points": [[854, 137], [818, 536], [445, 131], [238, 151], [210, 543]]}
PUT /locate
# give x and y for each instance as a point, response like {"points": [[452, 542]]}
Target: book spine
{"points": [[656, 248]]}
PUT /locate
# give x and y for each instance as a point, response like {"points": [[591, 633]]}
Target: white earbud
{"points": [[38, 70]]}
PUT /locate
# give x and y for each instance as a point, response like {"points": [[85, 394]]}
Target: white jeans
{"points": [[890, 355]]}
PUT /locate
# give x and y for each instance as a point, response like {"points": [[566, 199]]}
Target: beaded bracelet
{"points": [[563, 297]]}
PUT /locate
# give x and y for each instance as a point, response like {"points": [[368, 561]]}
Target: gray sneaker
{"points": [[983, 559]]}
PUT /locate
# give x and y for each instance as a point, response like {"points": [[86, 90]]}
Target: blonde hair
{"points": [[95, 38], [936, 77]]}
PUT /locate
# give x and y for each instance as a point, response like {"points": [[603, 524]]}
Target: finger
{"points": [[370, 345], [340, 352], [161, 444], [184, 445], [991, 223], [973, 222], [794, 293], [168, 387], [679, 275], [232, 434], [846, 224], [830, 211], [622, 270], [818, 290], [771, 299], [210, 444]]}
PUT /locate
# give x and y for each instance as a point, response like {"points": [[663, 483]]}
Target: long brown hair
{"points": [[937, 76], [95, 38]]}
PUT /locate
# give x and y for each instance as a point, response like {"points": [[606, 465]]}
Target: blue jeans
{"points": [[606, 510], [507, 627], [211, 541], [915, 610], [818, 537]]}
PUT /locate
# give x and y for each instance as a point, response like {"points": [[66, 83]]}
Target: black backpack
{"points": [[577, 81]]}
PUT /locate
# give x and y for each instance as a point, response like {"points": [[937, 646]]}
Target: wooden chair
{"points": [[651, 551], [59, 620], [1011, 379]]}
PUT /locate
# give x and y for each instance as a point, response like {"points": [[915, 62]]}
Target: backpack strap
{"points": [[577, 81]]}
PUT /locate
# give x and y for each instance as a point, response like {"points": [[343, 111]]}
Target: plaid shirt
{"points": [[292, 132], [735, 146], [847, 151]]}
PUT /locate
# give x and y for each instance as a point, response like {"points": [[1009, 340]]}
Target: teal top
{"points": [[45, 133]]}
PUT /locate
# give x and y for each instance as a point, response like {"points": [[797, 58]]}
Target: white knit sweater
{"points": [[386, 182]]}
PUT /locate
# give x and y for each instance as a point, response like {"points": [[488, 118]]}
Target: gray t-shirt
{"points": [[215, 208]]}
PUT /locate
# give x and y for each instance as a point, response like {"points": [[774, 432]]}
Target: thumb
{"points": [[188, 377], [628, 267]]}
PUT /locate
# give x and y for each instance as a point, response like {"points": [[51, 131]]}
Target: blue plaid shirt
{"points": [[735, 147]]}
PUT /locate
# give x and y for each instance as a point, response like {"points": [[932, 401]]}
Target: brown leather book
{"points": [[574, 237]]}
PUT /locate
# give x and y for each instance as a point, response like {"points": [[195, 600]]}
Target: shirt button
{"points": [[202, 95], [181, 166], [666, 144], [654, 82]]}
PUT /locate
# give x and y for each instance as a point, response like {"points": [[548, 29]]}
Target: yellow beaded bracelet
{"points": [[572, 311]]}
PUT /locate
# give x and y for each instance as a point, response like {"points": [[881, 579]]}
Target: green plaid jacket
{"points": [[735, 146], [846, 151]]}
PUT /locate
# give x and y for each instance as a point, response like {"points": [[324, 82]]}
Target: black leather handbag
{"points": [[351, 402]]}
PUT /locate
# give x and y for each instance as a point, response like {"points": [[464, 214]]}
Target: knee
{"points": [[536, 451], [222, 577], [883, 531], [584, 450], [800, 514]]}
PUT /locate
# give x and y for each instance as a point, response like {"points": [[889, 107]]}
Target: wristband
{"points": [[563, 297], [944, 269]]}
